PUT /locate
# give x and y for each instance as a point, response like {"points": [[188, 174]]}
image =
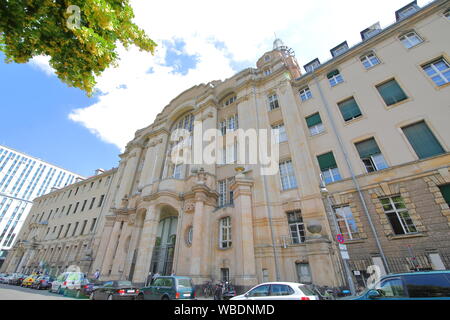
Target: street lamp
{"points": [[328, 208]]}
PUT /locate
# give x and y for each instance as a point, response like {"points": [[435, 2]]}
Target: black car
{"points": [[115, 290], [89, 287]]}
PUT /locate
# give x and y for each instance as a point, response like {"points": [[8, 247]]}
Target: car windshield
{"points": [[124, 283], [75, 276], [184, 283]]}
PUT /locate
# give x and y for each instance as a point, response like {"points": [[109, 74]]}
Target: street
{"points": [[9, 292]]}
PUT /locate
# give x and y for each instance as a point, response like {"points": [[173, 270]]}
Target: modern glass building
{"points": [[23, 178]]}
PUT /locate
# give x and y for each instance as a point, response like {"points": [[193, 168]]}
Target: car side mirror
{"points": [[373, 294], [246, 295]]}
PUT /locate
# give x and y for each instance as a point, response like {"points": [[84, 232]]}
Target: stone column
{"points": [[128, 175], [104, 241], [242, 232], [198, 250], [109, 254], [135, 231], [146, 245], [121, 254]]}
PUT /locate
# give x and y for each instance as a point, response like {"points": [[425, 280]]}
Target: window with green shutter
{"points": [[445, 190], [422, 140], [367, 148], [313, 120], [327, 161], [391, 92], [349, 109]]}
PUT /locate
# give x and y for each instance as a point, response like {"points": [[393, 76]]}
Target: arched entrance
{"points": [[163, 252]]}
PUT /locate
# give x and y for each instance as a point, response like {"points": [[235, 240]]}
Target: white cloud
{"points": [[246, 28], [42, 63]]}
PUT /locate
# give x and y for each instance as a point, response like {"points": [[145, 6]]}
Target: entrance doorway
{"points": [[164, 250]]}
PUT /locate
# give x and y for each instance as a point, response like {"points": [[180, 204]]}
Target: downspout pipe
{"points": [[355, 181]]}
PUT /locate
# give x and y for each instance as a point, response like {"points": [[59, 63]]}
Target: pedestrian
{"points": [[149, 279], [156, 275], [173, 273], [97, 274]]}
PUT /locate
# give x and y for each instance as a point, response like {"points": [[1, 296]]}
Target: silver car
{"points": [[278, 291]]}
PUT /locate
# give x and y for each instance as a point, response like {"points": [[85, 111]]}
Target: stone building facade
{"points": [[62, 228], [363, 148]]}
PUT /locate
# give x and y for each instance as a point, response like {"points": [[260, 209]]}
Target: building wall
{"points": [[41, 244]]}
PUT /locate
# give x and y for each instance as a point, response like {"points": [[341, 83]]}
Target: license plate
{"points": [[186, 295], [130, 291]]}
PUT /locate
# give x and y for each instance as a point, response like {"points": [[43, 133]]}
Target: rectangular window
{"points": [[287, 175], [296, 227], [225, 194], [315, 124], [92, 203], [232, 123], [334, 77], [349, 109], [76, 207], [305, 94], [93, 224], [84, 227], [267, 72], [371, 155], [223, 127], [225, 233], [84, 205], [75, 229], [67, 230], [346, 223], [177, 171], [273, 102], [398, 215], [410, 39], [100, 202], [391, 92], [59, 232], [282, 136], [68, 210], [329, 168], [422, 140], [438, 71], [445, 190], [370, 60]]}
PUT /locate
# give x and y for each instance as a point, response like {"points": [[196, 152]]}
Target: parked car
{"points": [[431, 285], [90, 286], [68, 280], [168, 288], [278, 291], [115, 290], [16, 279], [58, 284], [4, 277], [42, 282], [28, 281]]}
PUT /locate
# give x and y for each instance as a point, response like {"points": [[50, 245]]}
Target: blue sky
{"points": [[41, 116], [34, 119]]}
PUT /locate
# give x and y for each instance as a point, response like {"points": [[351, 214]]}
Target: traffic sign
{"points": [[340, 238]]}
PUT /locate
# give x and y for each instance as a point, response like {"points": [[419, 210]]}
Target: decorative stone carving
{"points": [[124, 203], [189, 207], [315, 227]]}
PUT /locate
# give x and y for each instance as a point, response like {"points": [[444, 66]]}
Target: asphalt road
{"points": [[8, 292]]}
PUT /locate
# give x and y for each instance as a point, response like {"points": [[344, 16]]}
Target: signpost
{"points": [[340, 238]]}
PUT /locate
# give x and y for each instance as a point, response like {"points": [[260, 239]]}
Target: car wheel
{"points": [[110, 297], [140, 297], [165, 298], [91, 296]]}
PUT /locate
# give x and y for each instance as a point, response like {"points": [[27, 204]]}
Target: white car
{"points": [[59, 284], [68, 280], [278, 291]]}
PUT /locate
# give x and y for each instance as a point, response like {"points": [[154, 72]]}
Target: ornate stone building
{"points": [[363, 152]]}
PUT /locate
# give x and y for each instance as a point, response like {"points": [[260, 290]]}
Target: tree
{"points": [[80, 36]]}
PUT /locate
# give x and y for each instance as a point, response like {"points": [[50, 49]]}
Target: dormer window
{"points": [[267, 58], [340, 49], [313, 65], [371, 31], [406, 11]]}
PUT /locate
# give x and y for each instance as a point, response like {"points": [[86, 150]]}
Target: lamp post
{"points": [[328, 208]]}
